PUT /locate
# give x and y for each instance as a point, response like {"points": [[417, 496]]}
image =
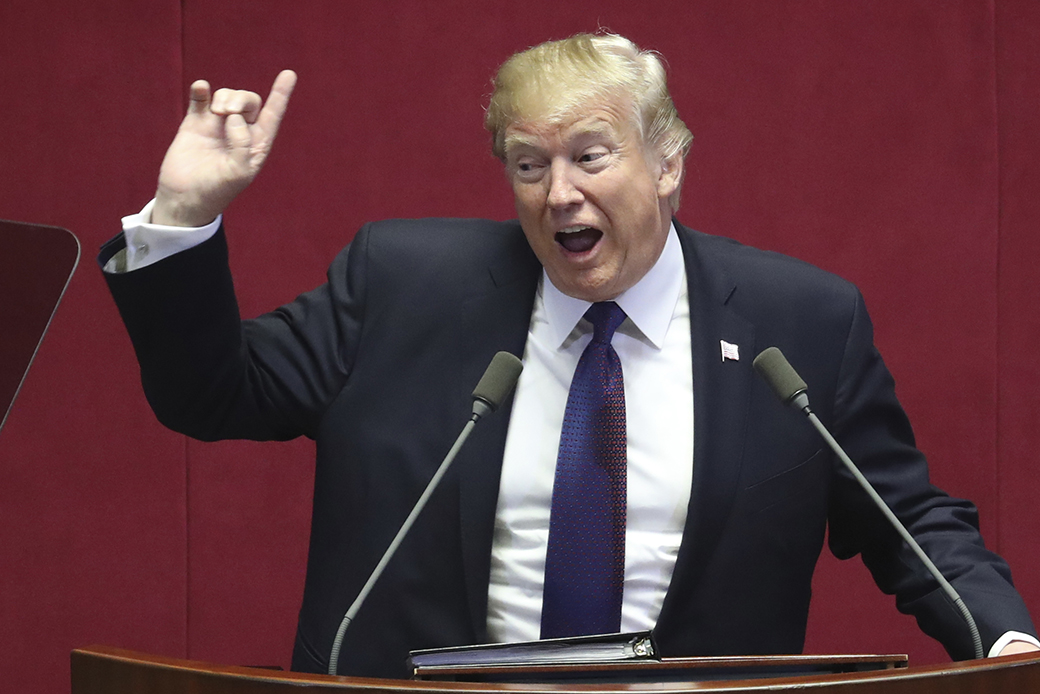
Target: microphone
{"points": [[782, 378], [494, 387], [791, 389], [496, 383]]}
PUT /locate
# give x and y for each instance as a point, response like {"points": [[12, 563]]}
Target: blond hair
{"points": [[556, 79]]}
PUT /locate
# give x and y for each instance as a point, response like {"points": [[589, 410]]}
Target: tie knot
{"points": [[605, 317]]}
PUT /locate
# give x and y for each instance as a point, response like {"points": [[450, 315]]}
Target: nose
{"points": [[562, 189]]}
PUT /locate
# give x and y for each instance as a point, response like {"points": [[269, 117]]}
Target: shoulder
{"points": [[439, 243], [753, 266], [441, 235], [764, 282], [438, 255]]}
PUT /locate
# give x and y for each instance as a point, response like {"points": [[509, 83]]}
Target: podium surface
{"points": [[106, 670]]}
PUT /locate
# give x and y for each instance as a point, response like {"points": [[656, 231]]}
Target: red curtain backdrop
{"points": [[892, 142]]}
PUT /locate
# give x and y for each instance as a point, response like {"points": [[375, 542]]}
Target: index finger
{"points": [[277, 102], [198, 97]]}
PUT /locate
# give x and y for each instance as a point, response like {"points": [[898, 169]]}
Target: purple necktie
{"points": [[585, 557]]}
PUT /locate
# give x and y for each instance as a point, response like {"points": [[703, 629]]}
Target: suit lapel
{"points": [[495, 317], [721, 391]]}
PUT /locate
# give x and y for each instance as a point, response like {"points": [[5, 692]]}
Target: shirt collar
{"points": [[649, 303]]}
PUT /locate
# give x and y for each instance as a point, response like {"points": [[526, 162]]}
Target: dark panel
{"points": [[36, 264]]}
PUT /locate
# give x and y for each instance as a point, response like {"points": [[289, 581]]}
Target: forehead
{"points": [[604, 119]]}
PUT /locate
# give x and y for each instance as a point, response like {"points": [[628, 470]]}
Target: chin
{"points": [[588, 286], [594, 294]]}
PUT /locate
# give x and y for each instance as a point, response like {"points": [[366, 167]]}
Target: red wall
{"points": [[891, 141]]}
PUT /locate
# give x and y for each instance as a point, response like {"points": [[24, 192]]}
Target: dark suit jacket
{"points": [[378, 364]]}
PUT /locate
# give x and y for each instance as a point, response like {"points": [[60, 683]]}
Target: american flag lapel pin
{"points": [[730, 351]]}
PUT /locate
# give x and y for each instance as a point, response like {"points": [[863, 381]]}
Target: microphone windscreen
{"points": [[773, 366], [498, 380]]}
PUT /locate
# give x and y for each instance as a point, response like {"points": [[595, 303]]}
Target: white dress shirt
{"points": [[653, 345]]}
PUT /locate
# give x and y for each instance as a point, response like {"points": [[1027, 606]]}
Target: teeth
{"points": [[573, 230]]}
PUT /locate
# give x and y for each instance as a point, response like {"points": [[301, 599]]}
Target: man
{"points": [[726, 494]]}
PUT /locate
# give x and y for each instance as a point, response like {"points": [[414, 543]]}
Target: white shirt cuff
{"points": [[1007, 638], [148, 243]]}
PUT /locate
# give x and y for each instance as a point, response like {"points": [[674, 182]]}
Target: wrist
{"points": [[167, 211]]}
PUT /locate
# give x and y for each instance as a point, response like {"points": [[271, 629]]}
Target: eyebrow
{"points": [[514, 140], [596, 127]]}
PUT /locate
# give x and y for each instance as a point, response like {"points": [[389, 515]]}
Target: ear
{"points": [[670, 177]]}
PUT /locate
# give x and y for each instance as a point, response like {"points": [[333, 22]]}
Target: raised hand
{"points": [[219, 149]]}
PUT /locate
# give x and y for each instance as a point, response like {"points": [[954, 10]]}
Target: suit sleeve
{"points": [[872, 426], [210, 375]]}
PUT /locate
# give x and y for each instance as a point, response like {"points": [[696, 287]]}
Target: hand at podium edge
{"points": [[1016, 647]]}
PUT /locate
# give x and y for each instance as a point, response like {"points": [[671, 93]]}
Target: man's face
{"points": [[592, 200]]}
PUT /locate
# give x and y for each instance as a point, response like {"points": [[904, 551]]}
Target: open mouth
{"points": [[578, 239]]}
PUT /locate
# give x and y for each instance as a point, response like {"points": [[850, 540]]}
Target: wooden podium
{"points": [[104, 670]]}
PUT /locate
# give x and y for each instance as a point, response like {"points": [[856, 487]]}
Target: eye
{"points": [[593, 156], [527, 169]]}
